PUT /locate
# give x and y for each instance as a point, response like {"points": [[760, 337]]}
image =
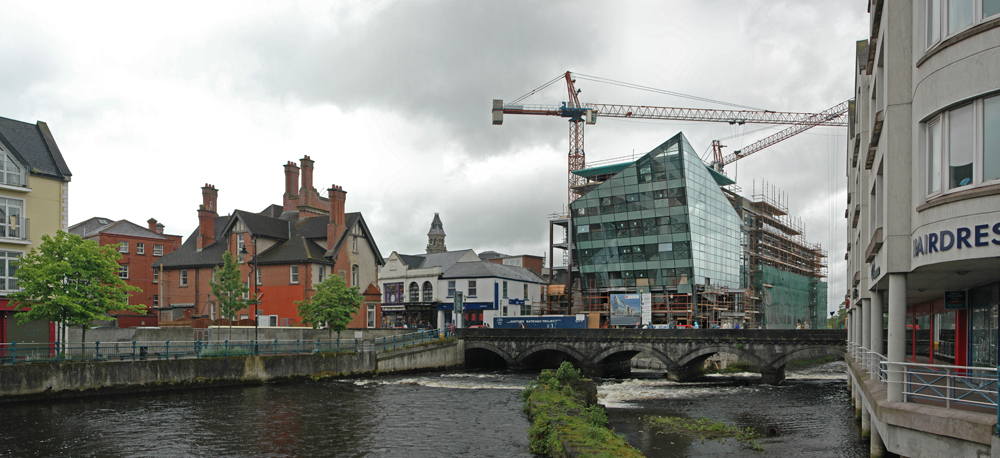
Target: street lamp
{"points": [[256, 289]]}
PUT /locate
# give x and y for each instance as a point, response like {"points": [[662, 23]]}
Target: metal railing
{"points": [[14, 353], [948, 386]]}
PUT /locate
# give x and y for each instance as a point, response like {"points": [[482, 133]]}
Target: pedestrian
{"points": [[696, 325]]}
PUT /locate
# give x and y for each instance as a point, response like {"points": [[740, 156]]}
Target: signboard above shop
{"points": [[955, 300]]}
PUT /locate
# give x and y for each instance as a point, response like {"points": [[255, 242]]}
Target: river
{"points": [[463, 413]]}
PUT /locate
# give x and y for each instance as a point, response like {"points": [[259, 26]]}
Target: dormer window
{"points": [[11, 172]]}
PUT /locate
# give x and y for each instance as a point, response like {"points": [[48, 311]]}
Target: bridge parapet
{"points": [[600, 351]]}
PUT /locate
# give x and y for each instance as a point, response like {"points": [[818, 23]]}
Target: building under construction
{"points": [[783, 274], [670, 226]]}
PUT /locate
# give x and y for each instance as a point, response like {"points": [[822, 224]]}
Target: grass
{"points": [[563, 424], [705, 429]]}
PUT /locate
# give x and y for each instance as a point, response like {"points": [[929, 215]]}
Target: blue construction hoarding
{"points": [[541, 322]]}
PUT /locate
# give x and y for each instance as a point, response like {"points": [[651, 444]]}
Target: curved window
{"points": [[963, 146], [953, 16], [428, 292], [414, 292]]}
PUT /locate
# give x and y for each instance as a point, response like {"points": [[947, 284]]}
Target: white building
{"points": [[490, 290], [411, 287], [923, 218]]}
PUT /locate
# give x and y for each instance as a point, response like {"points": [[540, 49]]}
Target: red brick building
{"points": [[289, 248], [139, 247]]}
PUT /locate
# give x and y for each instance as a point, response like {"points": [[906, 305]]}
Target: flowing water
{"points": [[427, 415]]}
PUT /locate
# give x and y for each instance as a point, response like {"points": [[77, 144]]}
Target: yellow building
{"points": [[34, 201]]}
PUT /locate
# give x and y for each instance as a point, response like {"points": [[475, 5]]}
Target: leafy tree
{"points": [[229, 289], [70, 281], [836, 321], [333, 304]]}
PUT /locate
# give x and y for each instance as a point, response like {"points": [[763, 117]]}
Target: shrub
{"points": [[567, 373]]}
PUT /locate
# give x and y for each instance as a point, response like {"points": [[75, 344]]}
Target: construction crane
{"points": [[581, 114]]}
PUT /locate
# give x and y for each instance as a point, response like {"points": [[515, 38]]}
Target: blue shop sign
{"points": [[515, 301], [963, 237]]}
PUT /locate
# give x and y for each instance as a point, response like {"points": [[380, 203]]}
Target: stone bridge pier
{"points": [[608, 352]]}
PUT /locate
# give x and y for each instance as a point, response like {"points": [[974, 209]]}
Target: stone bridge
{"points": [[604, 352]]}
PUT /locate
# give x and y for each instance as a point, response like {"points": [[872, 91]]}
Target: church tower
{"points": [[435, 237]]}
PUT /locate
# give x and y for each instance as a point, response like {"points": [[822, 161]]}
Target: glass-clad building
{"points": [[663, 218]]}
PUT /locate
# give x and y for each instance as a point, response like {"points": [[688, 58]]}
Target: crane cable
{"points": [[539, 88], [660, 91]]}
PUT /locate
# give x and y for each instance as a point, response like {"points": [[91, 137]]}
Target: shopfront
{"points": [[421, 314], [474, 313], [393, 310], [958, 329]]}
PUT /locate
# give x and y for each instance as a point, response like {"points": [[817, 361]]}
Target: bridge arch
{"points": [[487, 346], [703, 352], [638, 348], [809, 352], [546, 347]]}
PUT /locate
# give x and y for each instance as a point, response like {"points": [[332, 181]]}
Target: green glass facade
{"points": [[663, 218]]}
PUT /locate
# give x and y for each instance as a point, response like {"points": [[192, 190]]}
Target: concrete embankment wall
{"points": [[421, 359], [183, 334], [27, 382]]}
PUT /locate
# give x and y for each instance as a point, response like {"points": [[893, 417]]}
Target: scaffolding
{"points": [[783, 272], [706, 304]]}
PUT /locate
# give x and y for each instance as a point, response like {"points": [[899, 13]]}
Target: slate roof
{"points": [[436, 227], [90, 226], [260, 225], [93, 226], [34, 145], [189, 256], [351, 220], [297, 240], [423, 261], [485, 269]]}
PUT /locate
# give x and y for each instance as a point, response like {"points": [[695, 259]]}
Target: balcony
{"points": [[876, 135], [874, 245], [857, 279], [857, 215], [857, 148]]}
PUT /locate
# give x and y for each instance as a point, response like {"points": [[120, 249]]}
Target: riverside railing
{"points": [[943, 385], [14, 353]]}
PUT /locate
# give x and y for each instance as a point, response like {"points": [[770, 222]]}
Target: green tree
{"points": [[836, 321], [334, 304], [229, 289], [70, 281]]}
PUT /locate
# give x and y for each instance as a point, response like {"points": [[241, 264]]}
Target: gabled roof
{"points": [[273, 210], [297, 240], [34, 145], [124, 227], [90, 226], [443, 260], [296, 249], [351, 220], [260, 225], [486, 269], [189, 256]]}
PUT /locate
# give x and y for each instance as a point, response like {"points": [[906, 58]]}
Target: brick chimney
{"points": [[309, 199], [291, 198], [206, 216], [152, 224], [159, 228], [336, 225]]}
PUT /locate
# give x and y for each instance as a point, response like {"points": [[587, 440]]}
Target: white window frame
{"points": [[156, 275], [123, 247], [140, 248], [372, 319], [19, 172], [355, 274], [451, 288], [157, 250], [8, 264], [123, 271], [943, 119], [156, 300], [321, 273], [239, 242], [183, 277], [942, 9], [257, 276], [293, 274], [472, 289], [19, 230]]}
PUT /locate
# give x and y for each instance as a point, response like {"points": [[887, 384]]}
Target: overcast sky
{"points": [[148, 102]]}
